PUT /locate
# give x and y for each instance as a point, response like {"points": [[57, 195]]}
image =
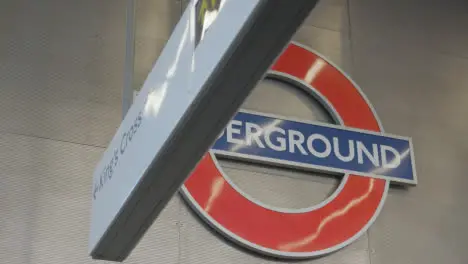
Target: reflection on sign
{"points": [[206, 12]]}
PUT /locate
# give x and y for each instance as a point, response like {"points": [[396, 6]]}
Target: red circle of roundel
{"points": [[320, 230]]}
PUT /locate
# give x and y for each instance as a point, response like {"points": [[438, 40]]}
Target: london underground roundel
{"points": [[357, 148]]}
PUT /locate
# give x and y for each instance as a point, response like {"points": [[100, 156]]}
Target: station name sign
{"points": [[108, 171], [191, 93], [317, 146], [356, 148]]}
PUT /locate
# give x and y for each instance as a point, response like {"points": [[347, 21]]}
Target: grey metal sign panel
{"points": [[217, 53]]}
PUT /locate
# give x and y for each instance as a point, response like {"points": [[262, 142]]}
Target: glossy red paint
{"points": [[321, 229]]}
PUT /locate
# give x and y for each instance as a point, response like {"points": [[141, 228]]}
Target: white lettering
{"points": [[395, 162], [280, 140], [313, 151], [336, 150], [231, 130], [296, 139], [373, 157], [253, 133]]}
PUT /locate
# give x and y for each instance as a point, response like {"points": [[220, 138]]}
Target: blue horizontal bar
{"points": [[321, 147]]}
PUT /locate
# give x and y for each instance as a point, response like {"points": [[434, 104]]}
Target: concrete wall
{"points": [[61, 74]]}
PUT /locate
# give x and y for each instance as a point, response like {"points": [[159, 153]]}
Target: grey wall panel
{"points": [[416, 85], [327, 31], [156, 19], [333, 45], [431, 25], [45, 200], [422, 99], [72, 120], [61, 66], [329, 14]]}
